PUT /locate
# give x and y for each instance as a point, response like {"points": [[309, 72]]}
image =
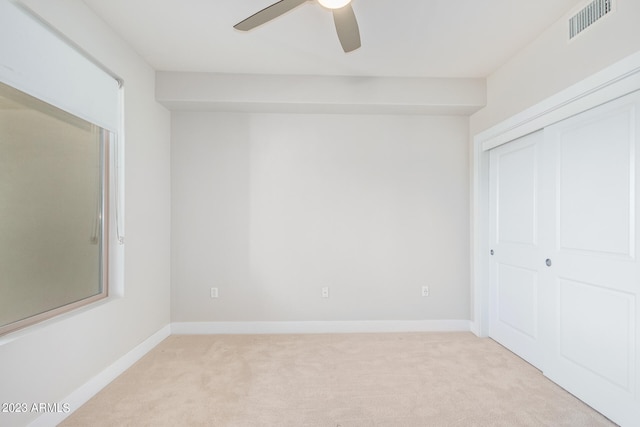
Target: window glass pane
{"points": [[52, 192]]}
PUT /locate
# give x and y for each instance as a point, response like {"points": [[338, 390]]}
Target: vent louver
{"points": [[588, 15]]}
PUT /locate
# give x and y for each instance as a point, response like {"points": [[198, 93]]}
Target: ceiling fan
{"points": [[343, 17]]}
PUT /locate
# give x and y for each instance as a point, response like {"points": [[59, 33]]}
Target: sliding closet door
{"points": [[516, 247], [565, 269], [595, 286]]}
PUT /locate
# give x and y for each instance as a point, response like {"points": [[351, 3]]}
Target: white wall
{"points": [[270, 208], [552, 63], [48, 362]]}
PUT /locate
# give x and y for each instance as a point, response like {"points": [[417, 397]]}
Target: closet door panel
{"points": [[601, 345], [593, 326], [595, 183], [516, 193], [515, 284], [517, 299]]}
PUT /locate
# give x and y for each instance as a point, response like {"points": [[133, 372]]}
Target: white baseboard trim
{"points": [[319, 327], [473, 327], [85, 392]]}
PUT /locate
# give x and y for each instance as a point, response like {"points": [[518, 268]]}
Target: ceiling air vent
{"points": [[588, 15]]}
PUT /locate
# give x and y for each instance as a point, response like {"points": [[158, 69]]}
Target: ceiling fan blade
{"points": [[267, 14], [347, 28]]}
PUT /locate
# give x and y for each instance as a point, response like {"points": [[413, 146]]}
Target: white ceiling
{"points": [[402, 38]]}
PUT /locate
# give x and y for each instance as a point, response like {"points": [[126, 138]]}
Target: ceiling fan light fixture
{"points": [[334, 4], [343, 17]]}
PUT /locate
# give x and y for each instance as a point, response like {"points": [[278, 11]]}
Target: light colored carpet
{"points": [[408, 379]]}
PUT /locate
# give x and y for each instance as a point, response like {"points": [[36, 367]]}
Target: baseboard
{"points": [[80, 396], [319, 327], [474, 327]]}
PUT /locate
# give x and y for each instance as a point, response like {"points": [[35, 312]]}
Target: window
{"points": [[53, 205], [60, 115]]}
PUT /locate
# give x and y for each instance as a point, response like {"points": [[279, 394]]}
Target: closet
{"points": [[564, 267]]}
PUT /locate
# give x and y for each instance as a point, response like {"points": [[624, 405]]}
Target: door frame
{"points": [[619, 79]]}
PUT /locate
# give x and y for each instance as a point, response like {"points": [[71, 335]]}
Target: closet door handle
{"points": [[491, 252], [548, 262]]}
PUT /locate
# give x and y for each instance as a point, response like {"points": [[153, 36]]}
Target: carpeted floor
{"points": [[408, 379]]}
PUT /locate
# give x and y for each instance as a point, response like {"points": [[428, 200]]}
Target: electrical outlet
{"points": [[214, 292], [325, 292], [425, 291]]}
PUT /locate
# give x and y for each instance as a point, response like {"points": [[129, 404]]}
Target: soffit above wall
{"points": [[319, 94]]}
